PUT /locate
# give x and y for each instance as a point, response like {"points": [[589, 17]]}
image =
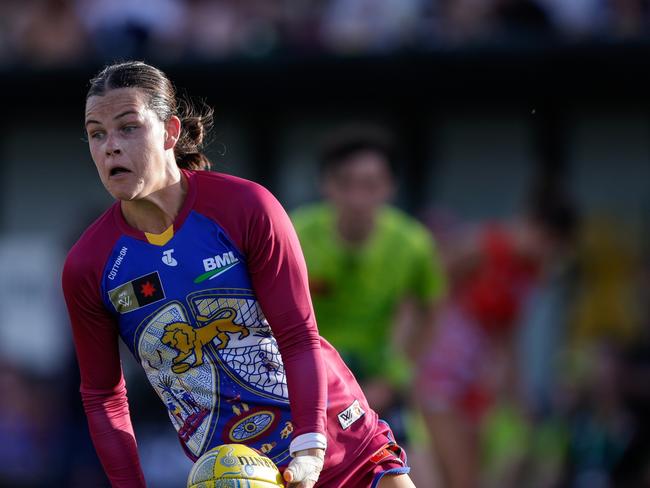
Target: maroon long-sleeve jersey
{"points": [[217, 311]]}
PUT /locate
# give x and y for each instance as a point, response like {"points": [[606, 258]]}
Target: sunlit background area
{"points": [[522, 130]]}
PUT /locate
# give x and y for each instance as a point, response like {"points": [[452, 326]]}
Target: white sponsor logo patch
{"points": [[351, 414], [168, 259]]}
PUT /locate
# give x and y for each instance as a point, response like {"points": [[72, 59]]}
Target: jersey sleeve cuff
{"points": [[310, 440]]}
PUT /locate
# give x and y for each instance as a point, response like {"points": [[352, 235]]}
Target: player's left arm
{"points": [[279, 276]]}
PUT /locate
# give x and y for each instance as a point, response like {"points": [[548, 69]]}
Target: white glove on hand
{"points": [[305, 468]]}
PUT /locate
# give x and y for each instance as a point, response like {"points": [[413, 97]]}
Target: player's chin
{"points": [[123, 196], [122, 192]]}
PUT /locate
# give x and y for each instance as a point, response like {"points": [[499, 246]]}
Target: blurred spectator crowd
{"points": [[46, 33]]}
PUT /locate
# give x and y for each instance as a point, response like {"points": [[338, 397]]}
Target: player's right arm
{"points": [[103, 389]]}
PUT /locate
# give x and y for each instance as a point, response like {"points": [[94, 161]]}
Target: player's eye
{"points": [[129, 128], [97, 134]]}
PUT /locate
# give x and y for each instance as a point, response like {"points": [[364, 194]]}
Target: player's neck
{"points": [[157, 211]]}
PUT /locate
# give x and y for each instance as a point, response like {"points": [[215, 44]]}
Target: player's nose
{"points": [[112, 147]]}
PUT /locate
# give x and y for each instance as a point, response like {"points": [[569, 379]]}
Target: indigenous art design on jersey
{"points": [[188, 398], [224, 339], [253, 355]]}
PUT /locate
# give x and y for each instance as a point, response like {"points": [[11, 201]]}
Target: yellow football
{"points": [[234, 466]]}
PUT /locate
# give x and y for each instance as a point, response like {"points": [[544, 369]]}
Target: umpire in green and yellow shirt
{"points": [[374, 273]]}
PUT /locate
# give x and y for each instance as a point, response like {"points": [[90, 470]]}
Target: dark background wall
{"points": [[478, 118]]}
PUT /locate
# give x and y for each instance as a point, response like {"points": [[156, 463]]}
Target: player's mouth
{"points": [[118, 171]]}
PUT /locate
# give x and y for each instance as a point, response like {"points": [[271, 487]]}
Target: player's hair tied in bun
{"points": [[196, 122]]}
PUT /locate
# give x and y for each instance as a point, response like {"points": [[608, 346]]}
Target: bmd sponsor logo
{"points": [[216, 266]]}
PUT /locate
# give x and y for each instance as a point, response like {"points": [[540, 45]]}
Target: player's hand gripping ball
{"points": [[234, 466]]}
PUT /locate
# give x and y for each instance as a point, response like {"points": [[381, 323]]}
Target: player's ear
{"points": [[172, 131]]}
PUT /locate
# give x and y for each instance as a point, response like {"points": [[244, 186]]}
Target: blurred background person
{"points": [[524, 437], [353, 26], [52, 35], [492, 373], [374, 273], [125, 29], [468, 370]]}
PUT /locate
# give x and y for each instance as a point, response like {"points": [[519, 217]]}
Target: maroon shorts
{"points": [[381, 457]]}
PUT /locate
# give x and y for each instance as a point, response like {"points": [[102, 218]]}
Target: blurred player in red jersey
{"points": [[472, 351], [202, 276]]}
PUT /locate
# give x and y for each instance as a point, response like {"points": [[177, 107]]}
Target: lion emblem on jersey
{"points": [[188, 340]]}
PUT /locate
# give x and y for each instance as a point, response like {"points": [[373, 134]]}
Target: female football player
{"points": [[202, 277]]}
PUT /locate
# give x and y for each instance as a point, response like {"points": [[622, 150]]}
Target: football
{"points": [[234, 466]]}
